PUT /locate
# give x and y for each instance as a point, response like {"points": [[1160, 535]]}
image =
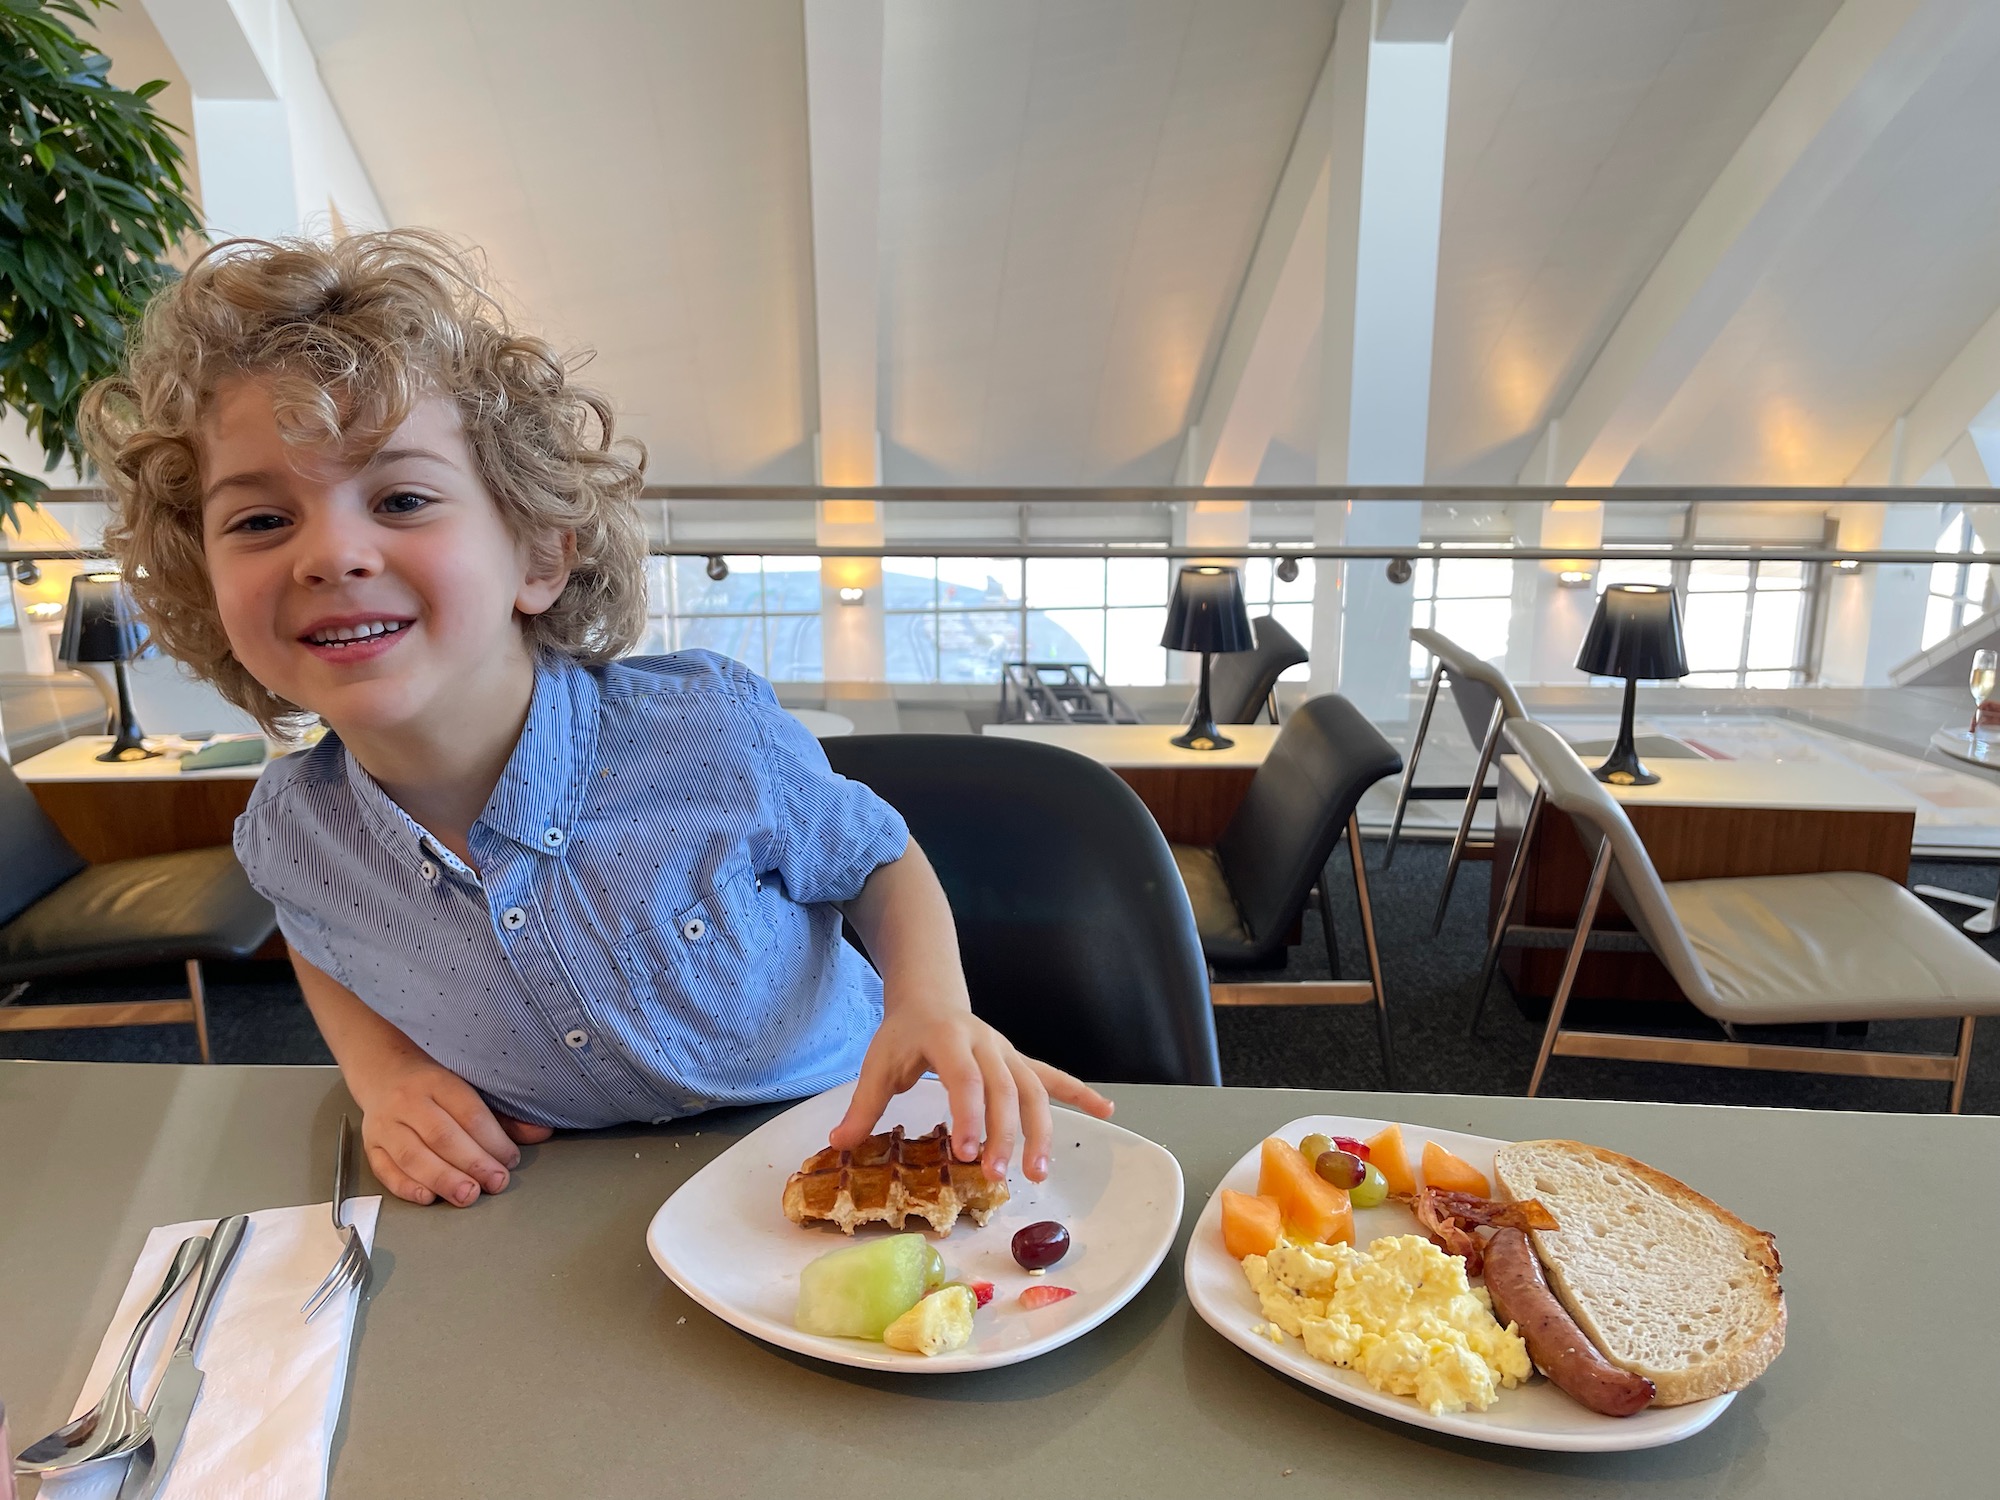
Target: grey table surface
{"points": [[528, 1346]]}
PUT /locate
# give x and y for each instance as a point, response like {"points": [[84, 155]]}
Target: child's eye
{"points": [[404, 503], [265, 522]]}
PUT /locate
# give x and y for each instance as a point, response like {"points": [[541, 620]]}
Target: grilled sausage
{"points": [[1558, 1347]]}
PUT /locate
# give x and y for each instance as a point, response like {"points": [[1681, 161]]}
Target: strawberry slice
{"points": [[1349, 1144], [982, 1292], [1042, 1296]]}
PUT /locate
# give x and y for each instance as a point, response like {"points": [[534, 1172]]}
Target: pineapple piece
{"points": [[939, 1323]]}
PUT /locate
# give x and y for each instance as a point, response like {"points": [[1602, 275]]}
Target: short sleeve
{"points": [[831, 833], [305, 932]]}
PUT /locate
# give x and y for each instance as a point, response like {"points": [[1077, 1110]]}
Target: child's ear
{"points": [[550, 558]]}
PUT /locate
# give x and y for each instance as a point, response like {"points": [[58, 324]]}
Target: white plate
{"points": [[1534, 1415], [725, 1241]]}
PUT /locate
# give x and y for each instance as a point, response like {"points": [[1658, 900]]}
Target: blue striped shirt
{"points": [[650, 930]]}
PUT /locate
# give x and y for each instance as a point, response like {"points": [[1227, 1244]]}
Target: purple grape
{"points": [[1041, 1245], [1341, 1168]]}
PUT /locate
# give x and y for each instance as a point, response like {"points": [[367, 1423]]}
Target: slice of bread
{"points": [[1666, 1284]]}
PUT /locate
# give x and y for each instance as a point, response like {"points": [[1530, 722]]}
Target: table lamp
{"points": [[101, 625], [1207, 614], [1635, 633]]}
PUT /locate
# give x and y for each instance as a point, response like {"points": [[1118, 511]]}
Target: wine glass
{"points": [[1985, 674]]}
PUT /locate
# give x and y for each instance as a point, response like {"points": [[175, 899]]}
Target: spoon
{"points": [[116, 1424]]}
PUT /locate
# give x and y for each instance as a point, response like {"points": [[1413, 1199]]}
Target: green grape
{"points": [[1372, 1188], [1313, 1147], [934, 1273]]}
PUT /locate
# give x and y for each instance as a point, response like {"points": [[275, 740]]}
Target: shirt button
{"points": [[693, 928], [513, 919], [553, 837], [428, 870], [577, 1038]]}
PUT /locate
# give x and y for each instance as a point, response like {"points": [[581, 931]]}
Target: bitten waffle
{"points": [[889, 1178]]}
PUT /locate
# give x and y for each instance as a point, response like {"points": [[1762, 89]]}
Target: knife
{"points": [[173, 1402]]}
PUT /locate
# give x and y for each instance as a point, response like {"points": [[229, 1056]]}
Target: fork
{"points": [[351, 1270]]}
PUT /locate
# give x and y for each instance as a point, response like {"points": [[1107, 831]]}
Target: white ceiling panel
{"points": [[637, 177], [1582, 134]]}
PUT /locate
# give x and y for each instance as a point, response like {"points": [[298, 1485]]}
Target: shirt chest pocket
{"points": [[720, 938]]}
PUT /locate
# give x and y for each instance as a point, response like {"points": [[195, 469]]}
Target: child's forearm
{"points": [[362, 1042], [905, 923]]}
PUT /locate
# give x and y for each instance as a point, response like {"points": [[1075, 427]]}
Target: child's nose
{"points": [[335, 550]]}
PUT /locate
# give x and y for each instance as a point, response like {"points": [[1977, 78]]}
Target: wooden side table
{"points": [[124, 809], [1192, 794], [1705, 819]]}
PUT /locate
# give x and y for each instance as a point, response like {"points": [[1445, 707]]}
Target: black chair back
{"points": [[1240, 681], [34, 856], [1073, 924], [1297, 806]]}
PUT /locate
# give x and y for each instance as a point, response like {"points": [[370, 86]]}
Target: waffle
{"points": [[889, 1178]]}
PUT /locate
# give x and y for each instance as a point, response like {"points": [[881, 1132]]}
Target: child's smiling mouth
{"points": [[354, 640]]}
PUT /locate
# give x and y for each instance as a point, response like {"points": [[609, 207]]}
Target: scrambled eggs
{"points": [[1401, 1314]]}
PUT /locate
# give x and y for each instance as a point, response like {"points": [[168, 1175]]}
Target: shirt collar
{"points": [[536, 799]]}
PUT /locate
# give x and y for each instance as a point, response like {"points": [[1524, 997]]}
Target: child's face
{"points": [[380, 595]]}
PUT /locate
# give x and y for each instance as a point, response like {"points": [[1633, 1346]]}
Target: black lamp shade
{"points": [[101, 623], [1207, 612], [1635, 633]]}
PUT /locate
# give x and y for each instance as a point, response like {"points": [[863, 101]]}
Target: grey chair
{"points": [[1486, 700], [1250, 890], [60, 915], [1758, 950], [1243, 684]]}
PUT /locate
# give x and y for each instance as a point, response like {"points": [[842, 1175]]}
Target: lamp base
{"points": [[129, 742], [1622, 767], [1202, 733]]}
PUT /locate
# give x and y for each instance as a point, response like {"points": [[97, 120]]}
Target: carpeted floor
{"points": [[257, 1016]]}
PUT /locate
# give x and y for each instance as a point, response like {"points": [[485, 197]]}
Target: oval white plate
{"points": [[724, 1239], [1534, 1415]]}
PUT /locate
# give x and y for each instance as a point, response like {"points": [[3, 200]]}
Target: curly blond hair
{"points": [[348, 336]]}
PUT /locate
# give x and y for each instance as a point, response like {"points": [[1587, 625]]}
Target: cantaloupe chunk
{"points": [[1386, 1153], [1452, 1173], [1250, 1225], [1313, 1208]]}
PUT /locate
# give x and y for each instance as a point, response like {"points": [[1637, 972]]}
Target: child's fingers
{"points": [[965, 1088], [872, 1093], [1071, 1091], [1037, 1123], [521, 1132], [1003, 1107], [454, 1145], [395, 1179]]}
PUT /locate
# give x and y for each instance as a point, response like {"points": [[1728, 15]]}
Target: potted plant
{"points": [[92, 202]]}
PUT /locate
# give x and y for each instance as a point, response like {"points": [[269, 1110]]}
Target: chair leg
{"points": [[1508, 893], [1326, 923], [1964, 1063], [1271, 704], [1593, 893], [198, 994], [1410, 766], [1465, 819], [1368, 940]]}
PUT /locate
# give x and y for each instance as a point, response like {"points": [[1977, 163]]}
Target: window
{"points": [[1469, 599], [1743, 623], [951, 619], [765, 614], [1958, 589]]}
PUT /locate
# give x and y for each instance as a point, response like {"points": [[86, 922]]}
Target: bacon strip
{"points": [[1451, 1219]]}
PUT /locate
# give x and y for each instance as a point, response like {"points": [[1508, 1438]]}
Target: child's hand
{"points": [[996, 1094], [429, 1135]]}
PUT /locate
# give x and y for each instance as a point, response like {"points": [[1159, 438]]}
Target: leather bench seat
{"points": [[162, 908], [1829, 947]]}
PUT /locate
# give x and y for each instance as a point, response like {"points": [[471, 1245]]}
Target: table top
{"points": [[824, 724], [1814, 786], [76, 760], [1137, 747], [1960, 744], [529, 1346]]}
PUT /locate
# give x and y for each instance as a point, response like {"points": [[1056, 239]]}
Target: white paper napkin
{"points": [[272, 1383]]}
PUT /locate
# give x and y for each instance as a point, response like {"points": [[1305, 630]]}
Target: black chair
{"points": [[61, 915], [1076, 937], [1249, 892], [1243, 684]]}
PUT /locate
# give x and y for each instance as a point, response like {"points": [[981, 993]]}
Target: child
{"points": [[526, 884]]}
